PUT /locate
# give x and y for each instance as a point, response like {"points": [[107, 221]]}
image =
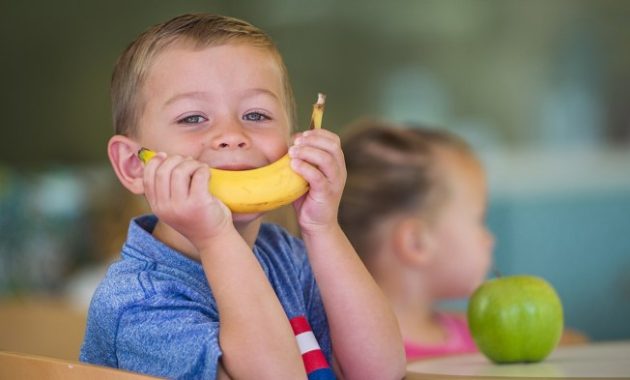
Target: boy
{"points": [[201, 292]]}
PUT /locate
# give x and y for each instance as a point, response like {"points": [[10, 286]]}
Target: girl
{"points": [[414, 207]]}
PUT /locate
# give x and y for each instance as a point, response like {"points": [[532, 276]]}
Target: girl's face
{"points": [[461, 243]]}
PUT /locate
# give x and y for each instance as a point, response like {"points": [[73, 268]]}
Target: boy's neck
{"points": [[169, 236]]}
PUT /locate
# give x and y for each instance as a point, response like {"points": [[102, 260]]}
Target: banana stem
{"points": [[318, 112], [145, 155]]}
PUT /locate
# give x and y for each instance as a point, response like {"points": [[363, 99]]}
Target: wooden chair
{"points": [[41, 326], [14, 365]]}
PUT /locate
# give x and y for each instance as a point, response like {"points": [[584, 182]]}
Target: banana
{"points": [[318, 111], [261, 189]]}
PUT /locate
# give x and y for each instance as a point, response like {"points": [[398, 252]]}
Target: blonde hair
{"points": [[202, 30], [392, 169]]}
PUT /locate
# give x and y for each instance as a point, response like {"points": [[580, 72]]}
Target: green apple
{"points": [[515, 319]]}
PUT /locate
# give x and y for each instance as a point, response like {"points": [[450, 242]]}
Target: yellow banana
{"points": [[261, 189], [318, 111]]}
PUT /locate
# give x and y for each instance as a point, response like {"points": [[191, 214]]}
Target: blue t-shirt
{"points": [[154, 311]]}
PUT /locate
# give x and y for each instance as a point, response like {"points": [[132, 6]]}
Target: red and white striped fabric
{"points": [[317, 367]]}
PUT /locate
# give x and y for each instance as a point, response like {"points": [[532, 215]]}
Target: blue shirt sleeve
{"points": [[155, 313], [168, 340]]}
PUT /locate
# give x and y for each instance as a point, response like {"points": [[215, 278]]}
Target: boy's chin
{"points": [[245, 218]]}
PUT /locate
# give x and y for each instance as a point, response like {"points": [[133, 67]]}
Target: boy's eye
{"points": [[255, 116], [192, 119]]}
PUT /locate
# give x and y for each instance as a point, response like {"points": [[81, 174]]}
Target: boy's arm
{"points": [[255, 336], [364, 331]]}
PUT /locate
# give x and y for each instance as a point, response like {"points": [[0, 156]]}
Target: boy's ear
{"points": [[412, 242], [123, 155]]}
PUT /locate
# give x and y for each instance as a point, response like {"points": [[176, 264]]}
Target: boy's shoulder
{"points": [[146, 269], [120, 288]]}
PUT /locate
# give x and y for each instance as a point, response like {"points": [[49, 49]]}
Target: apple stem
{"points": [[496, 272]]}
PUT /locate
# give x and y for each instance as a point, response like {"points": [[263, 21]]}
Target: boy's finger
{"points": [[324, 161], [312, 175], [322, 139], [199, 182], [163, 177], [148, 176], [181, 178]]}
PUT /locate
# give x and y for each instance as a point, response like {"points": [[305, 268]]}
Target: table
{"points": [[593, 360], [18, 365]]}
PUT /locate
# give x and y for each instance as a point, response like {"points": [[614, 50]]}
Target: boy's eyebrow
{"points": [[191, 94], [263, 91], [203, 95]]}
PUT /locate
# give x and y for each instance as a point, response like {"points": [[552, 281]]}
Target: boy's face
{"points": [[222, 105], [462, 242]]}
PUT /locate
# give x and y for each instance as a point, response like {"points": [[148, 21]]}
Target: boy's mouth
{"points": [[234, 167]]}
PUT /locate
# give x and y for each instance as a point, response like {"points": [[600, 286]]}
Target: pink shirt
{"points": [[458, 341]]}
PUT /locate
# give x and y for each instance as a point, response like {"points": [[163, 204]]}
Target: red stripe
{"points": [[314, 360], [300, 325]]}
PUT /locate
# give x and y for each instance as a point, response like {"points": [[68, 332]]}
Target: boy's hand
{"points": [[317, 156], [177, 191]]}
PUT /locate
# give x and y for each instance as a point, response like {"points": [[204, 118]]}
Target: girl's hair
{"points": [[200, 30], [392, 169]]}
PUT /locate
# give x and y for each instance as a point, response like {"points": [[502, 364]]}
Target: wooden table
{"points": [[17, 365], [593, 360]]}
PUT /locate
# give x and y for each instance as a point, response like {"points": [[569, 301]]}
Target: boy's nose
{"points": [[231, 144], [231, 137]]}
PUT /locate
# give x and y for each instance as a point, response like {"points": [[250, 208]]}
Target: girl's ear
{"points": [[123, 155], [412, 242]]}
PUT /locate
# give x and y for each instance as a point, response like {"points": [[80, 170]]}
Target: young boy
{"points": [[200, 292]]}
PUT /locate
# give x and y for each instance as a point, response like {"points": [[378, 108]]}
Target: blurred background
{"points": [[540, 88]]}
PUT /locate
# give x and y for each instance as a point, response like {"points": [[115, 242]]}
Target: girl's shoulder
{"points": [[455, 322]]}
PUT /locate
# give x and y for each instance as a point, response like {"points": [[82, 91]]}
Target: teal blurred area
{"points": [[538, 87], [569, 226], [579, 242]]}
